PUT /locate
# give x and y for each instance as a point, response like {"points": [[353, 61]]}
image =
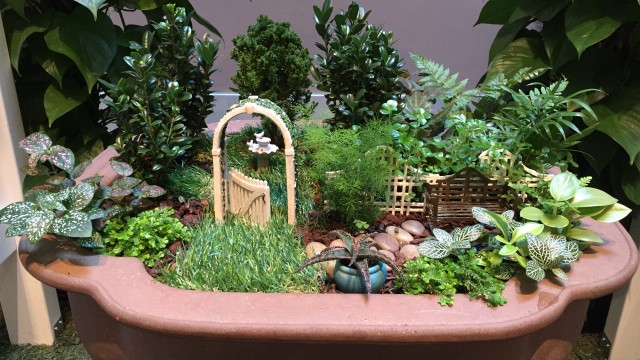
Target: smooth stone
{"points": [[386, 242], [338, 243], [314, 248], [401, 235], [409, 252], [389, 254], [414, 227], [329, 267]]}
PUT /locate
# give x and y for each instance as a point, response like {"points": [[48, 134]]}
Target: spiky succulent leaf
{"points": [[62, 157], [121, 168], [363, 268], [93, 242], [151, 191], [534, 270], [78, 170], [345, 237], [123, 186], [80, 196], [73, 224], [36, 143], [434, 249], [328, 254]]}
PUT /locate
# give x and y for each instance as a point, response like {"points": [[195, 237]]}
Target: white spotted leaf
{"points": [[62, 157], [80, 196], [73, 224], [38, 224], [36, 143]]}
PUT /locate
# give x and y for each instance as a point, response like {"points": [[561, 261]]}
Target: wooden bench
{"points": [[451, 199]]}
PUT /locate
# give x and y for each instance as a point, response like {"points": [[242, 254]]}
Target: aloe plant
{"points": [[61, 205], [359, 253]]}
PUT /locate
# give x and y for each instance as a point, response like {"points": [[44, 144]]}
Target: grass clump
{"points": [[191, 182], [238, 256]]}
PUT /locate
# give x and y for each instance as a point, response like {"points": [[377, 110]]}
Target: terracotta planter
{"points": [[122, 313]]}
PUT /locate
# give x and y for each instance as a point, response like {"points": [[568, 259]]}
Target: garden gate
{"points": [[249, 197]]}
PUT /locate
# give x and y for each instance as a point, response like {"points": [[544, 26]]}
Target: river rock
{"points": [[329, 267], [314, 248], [414, 227], [401, 235], [409, 252], [389, 254], [337, 243], [386, 242]]}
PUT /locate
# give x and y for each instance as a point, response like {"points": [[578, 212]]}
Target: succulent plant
{"points": [[359, 253]]}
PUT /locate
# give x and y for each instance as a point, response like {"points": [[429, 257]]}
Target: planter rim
{"points": [[122, 287]]}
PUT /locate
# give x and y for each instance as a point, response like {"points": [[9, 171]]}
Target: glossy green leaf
{"points": [[53, 63], [585, 235], [497, 12], [58, 102], [554, 221], [526, 52], [89, 43], [527, 228], [559, 48], [613, 213], [505, 35], [588, 22], [21, 31], [531, 213], [508, 250], [543, 10], [564, 186], [17, 6], [588, 196], [92, 5], [619, 117], [207, 25]]}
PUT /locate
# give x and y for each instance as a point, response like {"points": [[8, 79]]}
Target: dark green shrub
{"points": [[350, 168], [144, 236], [157, 116], [359, 67], [272, 64]]}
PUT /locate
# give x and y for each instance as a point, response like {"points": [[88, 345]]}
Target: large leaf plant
{"points": [[593, 44], [59, 50]]}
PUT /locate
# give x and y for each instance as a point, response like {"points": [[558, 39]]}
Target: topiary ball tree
{"points": [[272, 64]]}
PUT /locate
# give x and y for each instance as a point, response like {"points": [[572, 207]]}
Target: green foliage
{"points": [[443, 244], [446, 276], [144, 236], [349, 166], [58, 50], [161, 105], [593, 45], [191, 182], [358, 252], [272, 64], [238, 256], [359, 69], [58, 204]]}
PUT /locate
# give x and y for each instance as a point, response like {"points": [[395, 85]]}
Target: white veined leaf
{"points": [[502, 272], [80, 196], [467, 233], [534, 270], [38, 224], [571, 252], [557, 245], [539, 250], [73, 224], [480, 214], [433, 249], [443, 236], [508, 215], [560, 273]]}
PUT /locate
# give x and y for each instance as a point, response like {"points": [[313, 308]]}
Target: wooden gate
{"points": [[249, 197]]}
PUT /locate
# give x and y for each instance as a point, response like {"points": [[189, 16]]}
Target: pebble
{"points": [[389, 254], [337, 243], [414, 227], [409, 252], [329, 267], [401, 235], [314, 248], [386, 242]]}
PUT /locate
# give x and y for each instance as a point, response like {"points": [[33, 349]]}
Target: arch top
{"points": [[258, 106]]}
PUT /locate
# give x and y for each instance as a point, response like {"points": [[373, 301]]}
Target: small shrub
{"points": [[359, 67], [238, 256], [144, 236], [272, 64]]}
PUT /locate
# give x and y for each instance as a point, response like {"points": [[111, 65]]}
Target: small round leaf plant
{"points": [[62, 205]]}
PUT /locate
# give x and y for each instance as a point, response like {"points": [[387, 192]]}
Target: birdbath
{"points": [[262, 149]]}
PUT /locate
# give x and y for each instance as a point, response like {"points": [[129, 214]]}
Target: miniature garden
{"points": [[415, 183]]}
